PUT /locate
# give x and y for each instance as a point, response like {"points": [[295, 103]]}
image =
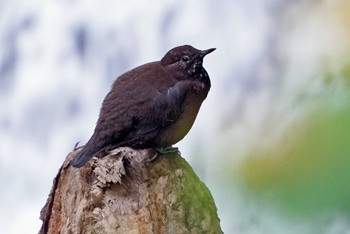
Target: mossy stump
{"points": [[127, 192]]}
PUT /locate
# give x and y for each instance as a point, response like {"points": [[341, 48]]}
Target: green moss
{"points": [[194, 202], [308, 171]]}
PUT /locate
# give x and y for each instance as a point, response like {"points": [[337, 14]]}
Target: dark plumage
{"points": [[151, 106]]}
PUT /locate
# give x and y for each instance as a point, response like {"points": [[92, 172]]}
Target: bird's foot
{"points": [[152, 155], [162, 150], [167, 150]]}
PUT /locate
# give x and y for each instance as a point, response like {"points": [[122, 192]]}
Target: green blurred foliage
{"points": [[308, 171]]}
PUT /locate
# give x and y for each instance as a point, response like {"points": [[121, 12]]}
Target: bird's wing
{"points": [[135, 119], [161, 108]]}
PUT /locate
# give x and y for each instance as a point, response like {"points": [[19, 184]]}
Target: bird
{"points": [[151, 106]]}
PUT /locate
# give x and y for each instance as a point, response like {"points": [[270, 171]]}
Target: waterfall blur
{"points": [[58, 59]]}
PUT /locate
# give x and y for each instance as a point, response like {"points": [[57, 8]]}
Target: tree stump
{"points": [[127, 192]]}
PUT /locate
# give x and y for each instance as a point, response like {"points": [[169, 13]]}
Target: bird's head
{"points": [[185, 60]]}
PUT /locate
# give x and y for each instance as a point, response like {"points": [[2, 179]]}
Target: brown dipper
{"points": [[151, 106]]}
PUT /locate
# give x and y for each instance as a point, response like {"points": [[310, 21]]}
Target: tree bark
{"points": [[128, 192]]}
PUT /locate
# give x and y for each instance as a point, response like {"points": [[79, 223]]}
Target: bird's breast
{"points": [[178, 129]]}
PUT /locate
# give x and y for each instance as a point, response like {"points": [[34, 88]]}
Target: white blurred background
{"points": [[276, 61]]}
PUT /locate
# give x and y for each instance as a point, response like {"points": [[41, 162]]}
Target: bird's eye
{"points": [[185, 58]]}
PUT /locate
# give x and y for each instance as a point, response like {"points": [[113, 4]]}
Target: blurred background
{"points": [[272, 140]]}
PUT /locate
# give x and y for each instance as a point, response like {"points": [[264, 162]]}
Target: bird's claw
{"points": [[167, 150], [153, 157], [162, 150]]}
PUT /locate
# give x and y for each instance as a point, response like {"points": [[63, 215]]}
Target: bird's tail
{"points": [[89, 150], [81, 159]]}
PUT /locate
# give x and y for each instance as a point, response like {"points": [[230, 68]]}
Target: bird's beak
{"points": [[205, 52]]}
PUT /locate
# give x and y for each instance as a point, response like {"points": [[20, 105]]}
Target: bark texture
{"points": [[127, 192]]}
